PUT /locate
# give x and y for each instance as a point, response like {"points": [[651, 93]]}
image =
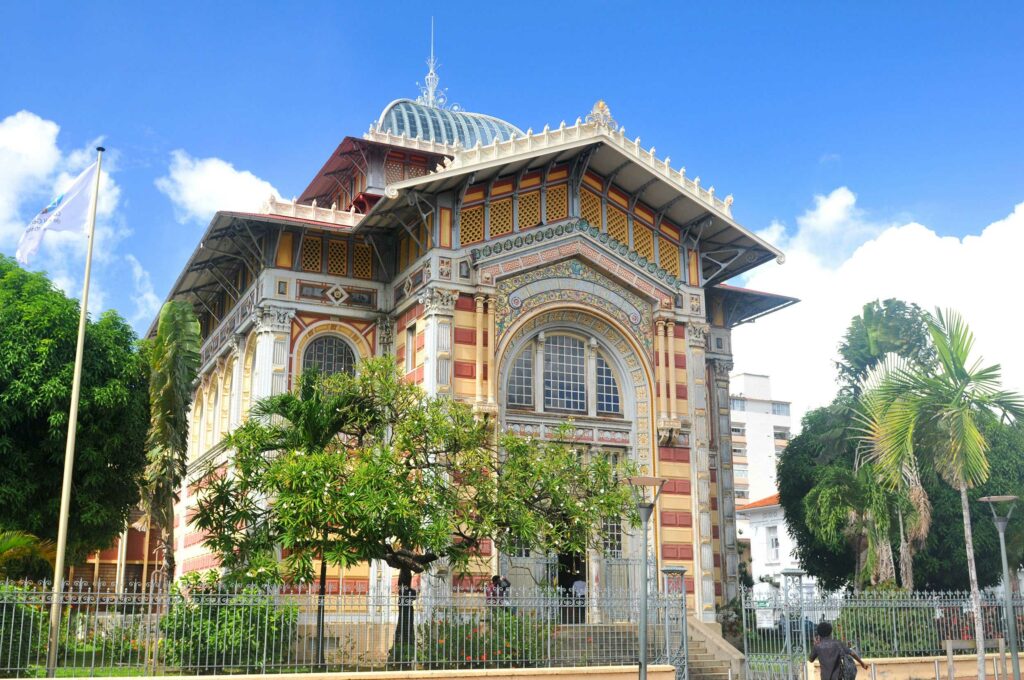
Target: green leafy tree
{"points": [[38, 332], [946, 404], [23, 555], [883, 327], [174, 362], [367, 467]]}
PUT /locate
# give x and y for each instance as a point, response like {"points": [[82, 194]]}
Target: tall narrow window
{"points": [[410, 347], [772, 541], [564, 386], [608, 401], [520, 380], [329, 354]]}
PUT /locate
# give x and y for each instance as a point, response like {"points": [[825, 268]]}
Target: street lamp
{"points": [[1011, 619], [641, 486]]}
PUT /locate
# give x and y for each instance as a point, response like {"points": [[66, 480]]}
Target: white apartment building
{"points": [[760, 431]]}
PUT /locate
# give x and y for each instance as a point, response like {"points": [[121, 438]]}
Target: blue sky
{"points": [[912, 112]]}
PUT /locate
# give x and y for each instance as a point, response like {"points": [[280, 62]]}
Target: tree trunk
{"points": [[403, 649], [885, 565], [972, 573], [320, 607], [906, 556], [167, 537]]}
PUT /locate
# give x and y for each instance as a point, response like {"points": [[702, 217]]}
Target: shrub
{"points": [[207, 630], [500, 638], [22, 631], [885, 623]]}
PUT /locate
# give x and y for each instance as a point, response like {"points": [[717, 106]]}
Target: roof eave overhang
{"points": [[743, 251]]}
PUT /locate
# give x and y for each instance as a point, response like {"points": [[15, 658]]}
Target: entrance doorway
{"points": [[572, 585]]}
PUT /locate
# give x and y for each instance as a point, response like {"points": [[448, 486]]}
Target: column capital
{"points": [[438, 301], [697, 334], [273, 319]]}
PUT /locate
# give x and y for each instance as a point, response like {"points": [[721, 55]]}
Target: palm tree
{"points": [[174, 362], [19, 546], [946, 405], [913, 509]]}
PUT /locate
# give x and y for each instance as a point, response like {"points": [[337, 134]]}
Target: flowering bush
{"points": [[500, 638]]}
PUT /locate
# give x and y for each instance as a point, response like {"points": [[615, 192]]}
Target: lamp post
{"points": [[645, 509], [1011, 619]]}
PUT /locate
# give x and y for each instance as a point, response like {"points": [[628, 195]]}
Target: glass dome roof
{"points": [[443, 126]]}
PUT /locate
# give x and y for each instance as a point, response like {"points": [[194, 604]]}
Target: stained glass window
{"points": [[329, 354]]}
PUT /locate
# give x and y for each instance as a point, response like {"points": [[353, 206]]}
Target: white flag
{"points": [[68, 212]]}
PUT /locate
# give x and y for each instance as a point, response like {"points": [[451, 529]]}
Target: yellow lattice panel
{"points": [[501, 217], [590, 208], [337, 258], [618, 225], [557, 203], [311, 255], [403, 253], [362, 261], [643, 241], [529, 209], [471, 225], [394, 171], [668, 256]]}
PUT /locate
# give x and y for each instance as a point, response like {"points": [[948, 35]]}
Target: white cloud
{"points": [[199, 187], [147, 304], [977, 275], [28, 159]]}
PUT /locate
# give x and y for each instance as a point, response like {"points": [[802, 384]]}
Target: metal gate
{"points": [[776, 630]]}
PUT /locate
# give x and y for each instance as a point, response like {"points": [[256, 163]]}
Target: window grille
{"points": [[329, 354], [643, 241], [590, 208], [739, 430], [337, 258], [668, 256], [471, 225], [607, 389], [529, 209], [564, 385], [557, 203], [780, 408], [312, 252], [618, 225], [501, 217], [520, 380], [362, 262]]}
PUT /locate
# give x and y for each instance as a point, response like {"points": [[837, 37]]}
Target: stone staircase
{"points": [[710, 656]]}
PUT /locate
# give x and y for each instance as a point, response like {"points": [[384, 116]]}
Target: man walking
{"points": [[830, 653]]}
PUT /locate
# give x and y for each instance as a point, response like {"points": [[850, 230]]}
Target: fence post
{"points": [[792, 585]]}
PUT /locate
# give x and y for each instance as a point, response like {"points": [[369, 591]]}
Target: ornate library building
{"points": [[539, 274]]}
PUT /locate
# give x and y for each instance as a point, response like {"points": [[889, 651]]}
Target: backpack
{"points": [[849, 667]]}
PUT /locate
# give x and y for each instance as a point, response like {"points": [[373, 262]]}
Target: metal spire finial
{"points": [[430, 94]]}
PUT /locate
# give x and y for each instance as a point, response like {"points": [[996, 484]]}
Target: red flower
{"points": [[469, 658]]}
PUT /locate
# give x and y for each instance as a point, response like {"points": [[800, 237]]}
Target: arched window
{"points": [[329, 354], [574, 377]]}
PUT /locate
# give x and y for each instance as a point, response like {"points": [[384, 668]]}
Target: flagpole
{"points": [[69, 451]]}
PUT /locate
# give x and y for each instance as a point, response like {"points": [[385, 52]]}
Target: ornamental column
{"points": [[492, 378], [479, 372], [273, 331], [670, 330], [721, 368], [700, 472], [660, 376], [438, 312]]}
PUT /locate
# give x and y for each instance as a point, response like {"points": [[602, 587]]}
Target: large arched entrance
{"points": [[565, 361]]}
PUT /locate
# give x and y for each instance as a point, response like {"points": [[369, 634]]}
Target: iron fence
{"points": [[207, 630], [779, 624]]}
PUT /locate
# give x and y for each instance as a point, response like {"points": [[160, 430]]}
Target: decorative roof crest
{"points": [[601, 115]]}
